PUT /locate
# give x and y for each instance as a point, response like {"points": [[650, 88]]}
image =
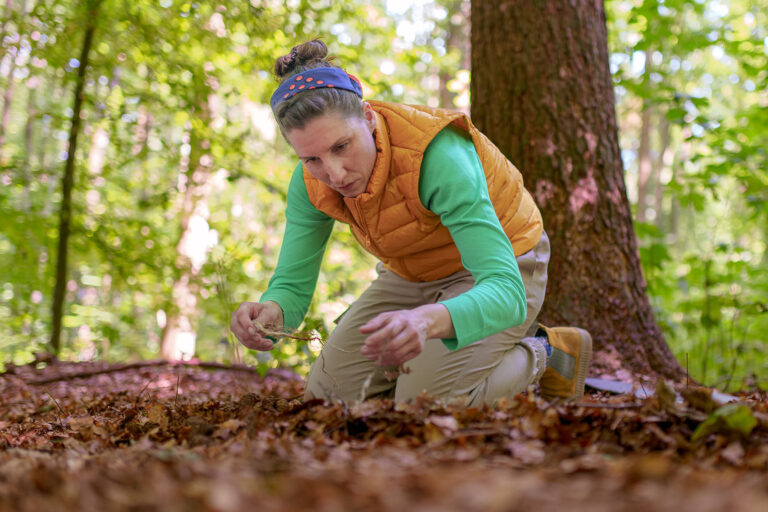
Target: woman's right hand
{"points": [[269, 314]]}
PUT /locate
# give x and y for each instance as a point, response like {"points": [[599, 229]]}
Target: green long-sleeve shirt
{"points": [[452, 185]]}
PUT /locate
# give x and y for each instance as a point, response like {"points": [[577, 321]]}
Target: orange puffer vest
{"points": [[390, 221]]}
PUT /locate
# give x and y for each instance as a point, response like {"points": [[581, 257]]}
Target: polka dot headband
{"points": [[316, 78]]}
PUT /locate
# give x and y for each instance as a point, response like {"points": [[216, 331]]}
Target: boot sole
{"points": [[585, 356]]}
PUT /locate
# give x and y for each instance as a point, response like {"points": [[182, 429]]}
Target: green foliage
{"points": [[696, 65], [176, 132], [728, 419]]}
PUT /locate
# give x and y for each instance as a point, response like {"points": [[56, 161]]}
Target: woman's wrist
{"points": [[438, 321]]}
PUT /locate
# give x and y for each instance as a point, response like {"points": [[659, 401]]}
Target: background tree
{"points": [[542, 91], [90, 17]]}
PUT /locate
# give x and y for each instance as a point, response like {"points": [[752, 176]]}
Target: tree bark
{"points": [[67, 180], [542, 91]]}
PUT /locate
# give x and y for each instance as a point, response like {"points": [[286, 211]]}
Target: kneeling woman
{"points": [[463, 254]]}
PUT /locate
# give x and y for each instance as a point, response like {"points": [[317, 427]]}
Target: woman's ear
{"points": [[370, 116]]}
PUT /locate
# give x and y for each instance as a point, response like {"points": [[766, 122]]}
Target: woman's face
{"points": [[339, 151]]}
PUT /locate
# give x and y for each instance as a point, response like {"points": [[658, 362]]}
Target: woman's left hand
{"points": [[399, 336]]}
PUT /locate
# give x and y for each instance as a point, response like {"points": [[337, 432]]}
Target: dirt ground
{"points": [[190, 438]]}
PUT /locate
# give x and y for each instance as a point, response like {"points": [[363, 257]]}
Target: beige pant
{"points": [[500, 365]]}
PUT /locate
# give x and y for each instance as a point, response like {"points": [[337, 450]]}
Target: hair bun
{"points": [[300, 56]]}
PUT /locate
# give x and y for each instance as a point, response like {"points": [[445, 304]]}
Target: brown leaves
{"points": [[233, 441]]}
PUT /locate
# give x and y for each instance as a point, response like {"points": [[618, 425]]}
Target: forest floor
{"points": [[190, 438]]}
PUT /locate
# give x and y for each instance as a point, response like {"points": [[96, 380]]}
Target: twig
{"points": [[61, 411], [178, 379], [285, 333], [136, 402]]}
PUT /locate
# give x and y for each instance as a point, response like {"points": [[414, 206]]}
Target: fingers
{"points": [[397, 358], [244, 314], [384, 328], [258, 343], [396, 350], [378, 322], [400, 351], [243, 328]]}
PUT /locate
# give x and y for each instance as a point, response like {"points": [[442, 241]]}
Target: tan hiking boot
{"points": [[567, 364]]}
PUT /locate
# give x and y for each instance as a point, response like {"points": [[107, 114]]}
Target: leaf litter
{"points": [[172, 437]]}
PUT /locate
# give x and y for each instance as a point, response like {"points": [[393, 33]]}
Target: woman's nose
{"points": [[336, 173]]}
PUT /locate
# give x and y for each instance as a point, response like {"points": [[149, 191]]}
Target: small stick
{"points": [[61, 424], [178, 379], [284, 333], [138, 397]]}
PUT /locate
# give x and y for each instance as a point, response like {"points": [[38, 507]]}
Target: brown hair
{"points": [[297, 111]]}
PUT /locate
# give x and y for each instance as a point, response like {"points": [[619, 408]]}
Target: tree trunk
{"points": [[29, 128], [542, 91], [681, 156], [179, 334], [644, 167], [13, 52], [455, 38], [7, 99], [141, 133], [659, 170], [6, 16], [67, 180]]}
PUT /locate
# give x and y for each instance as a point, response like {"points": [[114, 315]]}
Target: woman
{"points": [[463, 253]]}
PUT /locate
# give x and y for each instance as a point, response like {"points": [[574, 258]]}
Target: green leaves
{"points": [[697, 66], [730, 419]]}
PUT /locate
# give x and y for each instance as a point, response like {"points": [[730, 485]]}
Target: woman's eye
{"points": [[342, 146]]}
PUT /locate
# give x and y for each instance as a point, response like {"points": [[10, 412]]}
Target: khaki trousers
{"points": [[500, 365]]}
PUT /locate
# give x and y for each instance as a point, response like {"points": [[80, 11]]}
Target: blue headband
{"points": [[316, 78]]}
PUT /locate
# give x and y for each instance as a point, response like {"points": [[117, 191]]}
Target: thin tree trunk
{"points": [[6, 17], [644, 167], [180, 328], [29, 129], [67, 180], [8, 96], [659, 169], [7, 99], [141, 134], [458, 35], [542, 91], [452, 40], [681, 157]]}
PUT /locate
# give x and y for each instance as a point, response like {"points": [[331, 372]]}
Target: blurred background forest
{"points": [[180, 175]]}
